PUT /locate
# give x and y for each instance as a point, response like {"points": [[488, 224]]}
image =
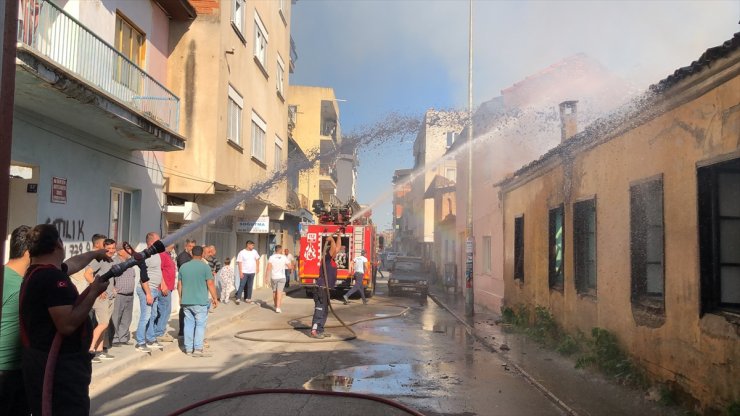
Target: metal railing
{"points": [[53, 33], [328, 171], [293, 52]]}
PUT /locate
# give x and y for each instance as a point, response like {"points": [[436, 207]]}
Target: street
{"points": [[416, 353]]}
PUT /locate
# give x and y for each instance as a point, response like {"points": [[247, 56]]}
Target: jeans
{"points": [[164, 308], [196, 317], [145, 329], [358, 287], [247, 281]]}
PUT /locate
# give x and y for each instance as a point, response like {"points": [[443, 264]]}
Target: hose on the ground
{"points": [[382, 400]]}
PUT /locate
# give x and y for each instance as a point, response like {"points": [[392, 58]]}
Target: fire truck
{"points": [[356, 234]]}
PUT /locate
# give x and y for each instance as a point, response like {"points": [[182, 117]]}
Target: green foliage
{"points": [[569, 345], [733, 409], [604, 353], [667, 398]]}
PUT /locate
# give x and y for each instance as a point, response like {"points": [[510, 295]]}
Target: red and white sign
{"points": [[59, 190]]}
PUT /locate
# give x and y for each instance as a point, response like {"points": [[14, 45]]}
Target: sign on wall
{"points": [[59, 190], [260, 226]]}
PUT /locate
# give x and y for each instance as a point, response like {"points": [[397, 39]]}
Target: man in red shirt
{"points": [[164, 303]]}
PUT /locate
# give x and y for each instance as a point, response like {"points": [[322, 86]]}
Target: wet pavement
{"points": [[408, 350]]}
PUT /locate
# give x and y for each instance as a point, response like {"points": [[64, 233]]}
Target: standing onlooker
{"points": [[164, 303], [291, 267], [359, 266], [248, 262], [226, 277], [183, 258], [194, 286], [103, 307], [123, 304], [149, 293], [327, 279], [209, 253], [276, 266], [12, 394], [48, 305]]}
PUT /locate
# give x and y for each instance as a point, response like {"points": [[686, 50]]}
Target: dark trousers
{"points": [[71, 382], [13, 394], [245, 285], [321, 309], [123, 306], [358, 287]]}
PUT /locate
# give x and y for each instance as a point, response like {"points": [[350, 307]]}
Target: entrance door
{"points": [[23, 199]]}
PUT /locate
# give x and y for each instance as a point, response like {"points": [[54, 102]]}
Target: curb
{"points": [[131, 361], [494, 347]]}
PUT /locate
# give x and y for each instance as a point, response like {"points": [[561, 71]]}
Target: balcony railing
{"points": [[293, 54], [328, 171], [61, 38]]}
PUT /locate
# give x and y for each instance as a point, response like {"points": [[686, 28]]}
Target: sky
{"points": [[407, 56]]}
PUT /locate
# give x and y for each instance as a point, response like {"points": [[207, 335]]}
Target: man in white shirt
{"points": [[248, 262], [276, 266], [359, 265], [290, 268]]}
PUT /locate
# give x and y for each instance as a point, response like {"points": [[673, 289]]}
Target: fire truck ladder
{"points": [[358, 241]]}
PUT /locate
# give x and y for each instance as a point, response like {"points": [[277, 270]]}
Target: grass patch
{"points": [[601, 350], [733, 409]]}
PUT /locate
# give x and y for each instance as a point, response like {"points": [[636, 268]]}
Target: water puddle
{"points": [[412, 380]]}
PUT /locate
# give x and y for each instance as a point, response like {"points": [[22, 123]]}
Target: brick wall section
{"points": [[205, 6]]}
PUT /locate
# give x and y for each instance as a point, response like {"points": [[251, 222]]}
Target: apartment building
{"points": [[94, 115], [234, 60], [318, 133]]}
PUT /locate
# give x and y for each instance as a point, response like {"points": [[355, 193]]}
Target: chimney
{"points": [[568, 120]]}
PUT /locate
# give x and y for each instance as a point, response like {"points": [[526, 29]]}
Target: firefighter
{"points": [[327, 280]]}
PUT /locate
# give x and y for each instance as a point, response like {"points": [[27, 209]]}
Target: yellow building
{"points": [[235, 59], [317, 132], [632, 226]]}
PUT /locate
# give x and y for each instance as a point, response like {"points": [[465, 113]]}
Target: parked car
{"points": [[408, 276]]}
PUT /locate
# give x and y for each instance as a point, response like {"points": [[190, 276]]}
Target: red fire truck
{"points": [[355, 235]]}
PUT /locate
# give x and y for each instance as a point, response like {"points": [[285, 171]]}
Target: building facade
{"points": [[94, 115], [317, 131], [510, 131], [234, 60], [631, 226], [403, 238]]}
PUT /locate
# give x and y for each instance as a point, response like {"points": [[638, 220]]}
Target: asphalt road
{"points": [[408, 351]]}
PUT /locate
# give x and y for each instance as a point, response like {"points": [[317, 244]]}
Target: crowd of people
{"points": [[41, 300]]}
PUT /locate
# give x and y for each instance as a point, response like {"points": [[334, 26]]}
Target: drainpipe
{"points": [[7, 93]]}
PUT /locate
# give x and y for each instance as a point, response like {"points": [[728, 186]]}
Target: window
{"points": [[519, 248], [451, 174], [120, 215], [130, 42], [260, 40], [259, 127], [278, 153], [557, 248], [280, 76], [487, 252], [719, 236], [282, 12], [237, 15], [234, 117], [584, 245], [451, 137], [646, 242]]}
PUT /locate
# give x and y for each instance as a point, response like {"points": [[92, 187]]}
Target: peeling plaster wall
{"points": [[701, 355]]}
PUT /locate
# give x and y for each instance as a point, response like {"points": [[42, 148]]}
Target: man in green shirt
{"points": [[12, 393], [194, 286]]}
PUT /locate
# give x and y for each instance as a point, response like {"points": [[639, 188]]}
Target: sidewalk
{"points": [[576, 391], [127, 357]]}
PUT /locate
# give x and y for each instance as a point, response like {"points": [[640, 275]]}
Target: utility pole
{"points": [[7, 93], [469, 308]]}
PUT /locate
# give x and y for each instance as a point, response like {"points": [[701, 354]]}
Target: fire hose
{"points": [[51, 361]]}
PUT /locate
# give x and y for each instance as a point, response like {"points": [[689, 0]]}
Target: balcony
{"points": [[293, 55], [71, 75], [327, 178]]}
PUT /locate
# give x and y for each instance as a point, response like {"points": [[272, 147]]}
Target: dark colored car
{"points": [[408, 276]]}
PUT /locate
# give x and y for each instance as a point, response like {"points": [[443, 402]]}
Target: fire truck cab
{"points": [[356, 234]]}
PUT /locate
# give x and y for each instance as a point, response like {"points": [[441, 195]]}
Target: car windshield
{"points": [[408, 266]]}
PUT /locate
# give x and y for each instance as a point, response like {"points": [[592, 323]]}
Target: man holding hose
{"points": [[327, 279], [47, 306]]}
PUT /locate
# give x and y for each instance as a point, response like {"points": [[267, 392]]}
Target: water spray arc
{"points": [[470, 241]]}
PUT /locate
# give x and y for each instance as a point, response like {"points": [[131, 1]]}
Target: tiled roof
{"points": [[706, 59]]}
